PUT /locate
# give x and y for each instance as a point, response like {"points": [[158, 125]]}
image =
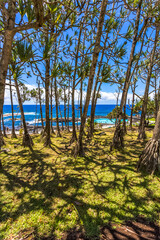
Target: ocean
{"points": [[31, 116]]}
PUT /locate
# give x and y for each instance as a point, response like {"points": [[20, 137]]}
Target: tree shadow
{"points": [[37, 183]]}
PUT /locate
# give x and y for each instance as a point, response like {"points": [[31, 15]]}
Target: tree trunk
{"points": [[150, 157], [74, 135], [65, 117], [68, 106], [156, 98], [2, 142], [40, 104], [51, 97], [79, 146], [133, 99], [47, 136], [6, 51], [27, 140], [118, 134], [141, 129], [56, 100], [4, 128], [13, 127], [124, 120]]}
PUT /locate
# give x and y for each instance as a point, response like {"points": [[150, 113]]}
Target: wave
{"points": [[18, 114]]}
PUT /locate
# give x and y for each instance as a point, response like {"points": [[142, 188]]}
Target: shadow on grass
{"points": [[38, 183]]}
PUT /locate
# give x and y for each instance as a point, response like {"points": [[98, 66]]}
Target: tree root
{"points": [[13, 135], [27, 140], [117, 142], [2, 142], [141, 134], [78, 150], [148, 160]]}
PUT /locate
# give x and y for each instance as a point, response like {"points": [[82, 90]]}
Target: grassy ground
{"points": [[50, 191]]}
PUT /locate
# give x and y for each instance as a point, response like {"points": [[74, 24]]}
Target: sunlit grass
{"points": [[50, 191]]}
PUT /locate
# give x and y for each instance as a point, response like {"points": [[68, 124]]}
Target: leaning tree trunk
{"points": [[40, 104], [118, 134], [74, 135], [13, 127], [27, 140], [4, 128], [51, 100], [150, 157], [68, 120], [57, 100], [133, 100], [124, 120], [141, 129], [47, 134], [2, 142], [79, 145], [6, 52]]}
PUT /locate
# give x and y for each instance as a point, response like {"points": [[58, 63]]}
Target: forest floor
{"points": [[48, 194]]}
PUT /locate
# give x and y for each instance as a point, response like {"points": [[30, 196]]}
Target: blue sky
{"points": [[108, 91]]}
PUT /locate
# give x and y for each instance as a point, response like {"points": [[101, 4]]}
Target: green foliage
{"points": [[115, 113], [150, 107], [23, 50]]}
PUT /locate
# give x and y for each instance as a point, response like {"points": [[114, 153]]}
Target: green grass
{"points": [[50, 191]]}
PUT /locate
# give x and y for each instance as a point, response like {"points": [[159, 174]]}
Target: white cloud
{"points": [[106, 97]]}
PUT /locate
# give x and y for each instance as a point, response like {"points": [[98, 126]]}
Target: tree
{"points": [[141, 129], [118, 134], [149, 159], [79, 146]]}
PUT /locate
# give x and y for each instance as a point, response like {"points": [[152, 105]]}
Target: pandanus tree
{"points": [[9, 10], [141, 129], [149, 159], [21, 55], [79, 146]]}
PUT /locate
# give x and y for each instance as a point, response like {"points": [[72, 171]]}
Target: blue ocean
{"points": [[32, 113]]}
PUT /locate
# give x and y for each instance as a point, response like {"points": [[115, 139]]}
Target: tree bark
{"points": [[141, 129]]}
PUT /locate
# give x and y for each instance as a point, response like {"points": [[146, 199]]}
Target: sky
{"points": [[108, 91]]}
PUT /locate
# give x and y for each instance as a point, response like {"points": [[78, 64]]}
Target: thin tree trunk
{"points": [[2, 142], [118, 134], [61, 117], [4, 128], [150, 157], [56, 100], [79, 146], [124, 120], [6, 52], [141, 129], [65, 118], [40, 104], [133, 100], [68, 107], [51, 100], [47, 141], [27, 140], [13, 127]]}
